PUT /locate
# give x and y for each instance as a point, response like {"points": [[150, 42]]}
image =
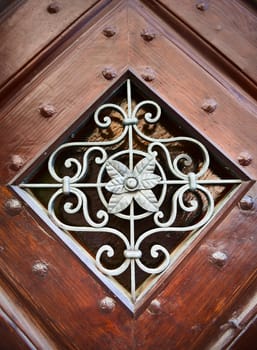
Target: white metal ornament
{"points": [[130, 184]]}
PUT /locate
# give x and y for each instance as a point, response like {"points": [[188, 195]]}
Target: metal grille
{"points": [[133, 185]]}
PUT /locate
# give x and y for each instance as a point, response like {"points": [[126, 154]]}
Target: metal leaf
{"points": [[148, 181], [116, 185], [146, 166], [116, 169], [147, 200], [119, 202]]}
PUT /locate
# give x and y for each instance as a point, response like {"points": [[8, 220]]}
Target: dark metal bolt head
{"points": [[202, 5], [246, 203], [17, 162], [244, 159], [54, 7], [109, 73], [148, 34], [148, 74], [13, 206], [107, 304], [109, 31], [47, 110], [40, 268], [219, 258], [155, 307], [209, 105]]}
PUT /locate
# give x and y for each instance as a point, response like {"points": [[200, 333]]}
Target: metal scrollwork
{"points": [[129, 185]]}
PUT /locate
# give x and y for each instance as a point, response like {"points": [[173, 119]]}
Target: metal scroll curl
{"points": [[127, 180]]}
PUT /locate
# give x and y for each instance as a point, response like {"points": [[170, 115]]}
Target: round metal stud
{"points": [[148, 34], [109, 73], [219, 258], [47, 110], [13, 206], [40, 268], [17, 162], [54, 7], [202, 5], [148, 74], [244, 159], [109, 31], [209, 105], [246, 203], [107, 304], [155, 307]]}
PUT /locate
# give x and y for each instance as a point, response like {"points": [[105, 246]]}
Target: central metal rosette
{"points": [[127, 185]]}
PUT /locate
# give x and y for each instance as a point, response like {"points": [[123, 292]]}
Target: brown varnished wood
{"points": [[48, 53], [247, 339], [71, 86], [205, 54], [199, 291], [31, 28], [199, 298], [228, 326], [29, 328], [185, 85], [64, 79], [227, 25], [9, 336], [67, 297]]}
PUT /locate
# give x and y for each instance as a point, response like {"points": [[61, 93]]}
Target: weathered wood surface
{"points": [[31, 27], [201, 298], [72, 86], [62, 293], [10, 338], [229, 26]]}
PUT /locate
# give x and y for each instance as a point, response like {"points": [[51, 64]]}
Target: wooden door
{"points": [[59, 62]]}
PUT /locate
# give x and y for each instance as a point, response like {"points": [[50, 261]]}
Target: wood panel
{"points": [[247, 339], [72, 84], [10, 338], [205, 54], [185, 85], [30, 28], [62, 294], [199, 291], [227, 25], [29, 329], [48, 281]]}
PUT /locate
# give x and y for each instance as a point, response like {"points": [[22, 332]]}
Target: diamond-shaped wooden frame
{"points": [[67, 291]]}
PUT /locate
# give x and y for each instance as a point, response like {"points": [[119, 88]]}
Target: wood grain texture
{"points": [[185, 85], [247, 339], [31, 28], [67, 298], [199, 291], [200, 297], [205, 54], [28, 327], [72, 84], [234, 322], [227, 25], [10, 339]]}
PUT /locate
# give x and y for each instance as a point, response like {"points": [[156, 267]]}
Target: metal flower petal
{"points": [[126, 185], [148, 181], [116, 185], [145, 166], [147, 200], [116, 169], [119, 202]]}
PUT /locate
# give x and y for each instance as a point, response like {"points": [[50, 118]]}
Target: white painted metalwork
{"points": [[130, 184]]}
